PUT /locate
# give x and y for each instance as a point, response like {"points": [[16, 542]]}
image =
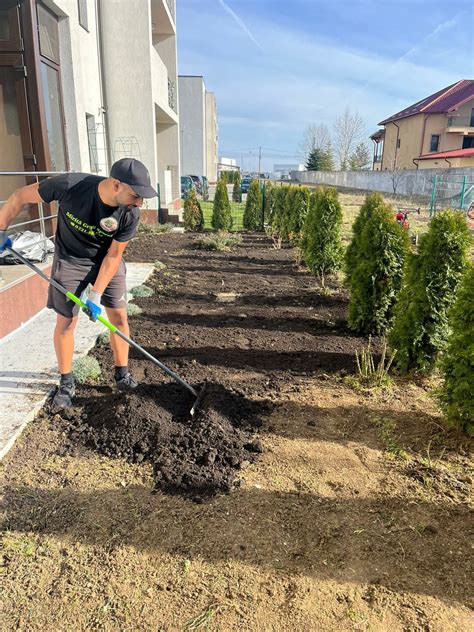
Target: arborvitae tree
{"points": [[354, 251], [253, 207], [193, 216], [277, 220], [297, 205], [421, 326], [457, 365], [236, 192], [323, 251], [360, 159], [268, 202], [221, 213], [376, 279]]}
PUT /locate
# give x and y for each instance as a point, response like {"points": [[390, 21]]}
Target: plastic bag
{"points": [[33, 246]]}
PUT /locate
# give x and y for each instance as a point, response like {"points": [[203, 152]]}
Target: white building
{"points": [[227, 164], [82, 84], [198, 128], [284, 169]]}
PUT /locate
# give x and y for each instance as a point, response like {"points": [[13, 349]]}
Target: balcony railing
{"points": [[378, 158], [170, 4], [460, 121], [172, 94]]}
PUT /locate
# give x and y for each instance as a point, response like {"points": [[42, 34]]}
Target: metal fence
{"points": [[451, 192]]}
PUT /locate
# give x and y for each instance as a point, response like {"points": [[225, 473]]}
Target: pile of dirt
{"points": [[198, 456]]}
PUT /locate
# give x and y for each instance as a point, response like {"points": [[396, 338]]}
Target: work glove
{"points": [[4, 240], [92, 302]]}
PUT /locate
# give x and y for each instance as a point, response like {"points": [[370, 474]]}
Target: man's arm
{"points": [[14, 204], [109, 266]]}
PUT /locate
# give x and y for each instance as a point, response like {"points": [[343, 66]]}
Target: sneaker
{"points": [[63, 396], [126, 383]]}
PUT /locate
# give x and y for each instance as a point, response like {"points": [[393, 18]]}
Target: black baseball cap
{"points": [[134, 173]]}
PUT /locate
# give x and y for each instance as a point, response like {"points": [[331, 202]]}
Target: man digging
{"points": [[97, 217]]}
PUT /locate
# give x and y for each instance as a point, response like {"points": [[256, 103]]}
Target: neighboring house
{"points": [[437, 131], [82, 85], [198, 128]]}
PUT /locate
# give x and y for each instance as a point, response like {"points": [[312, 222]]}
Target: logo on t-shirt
{"points": [[109, 224]]}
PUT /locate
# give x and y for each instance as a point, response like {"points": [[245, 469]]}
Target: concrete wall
{"points": [[411, 182], [192, 125]]}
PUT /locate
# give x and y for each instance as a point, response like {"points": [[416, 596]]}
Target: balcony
{"points": [[163, 20], [172, 101], [460, 124], [378, 158]]}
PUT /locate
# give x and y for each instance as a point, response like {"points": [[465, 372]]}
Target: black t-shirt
{"points": [[86, 226]]}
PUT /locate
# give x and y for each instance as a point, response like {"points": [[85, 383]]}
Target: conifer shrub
{"points": [[236, 191], [354, 251], [221, 213], [268, 202], [322, 245], [456, 395], [420, 329], [278, 212], [297, 207], [253, 207], [133, 309], [376, 276], [193, 217]]}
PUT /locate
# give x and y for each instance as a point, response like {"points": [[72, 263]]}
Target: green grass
{"points": [[237, 210]]}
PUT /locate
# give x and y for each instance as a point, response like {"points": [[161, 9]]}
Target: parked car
{"points": [[205, 187], [245, 183], [186, 185], [197, 184]]}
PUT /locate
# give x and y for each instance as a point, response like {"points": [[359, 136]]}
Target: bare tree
{"points": [[349, 131], [314, 137]]}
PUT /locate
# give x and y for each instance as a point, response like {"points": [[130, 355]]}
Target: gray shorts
{"points": [[75, 277]]}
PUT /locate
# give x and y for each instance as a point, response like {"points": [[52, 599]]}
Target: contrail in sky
{"points": [[240, 22]]}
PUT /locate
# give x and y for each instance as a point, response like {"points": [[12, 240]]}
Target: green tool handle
{"points": [[103, 320]]}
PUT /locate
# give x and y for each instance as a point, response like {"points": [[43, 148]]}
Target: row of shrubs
{"points": [[423, 301], [193, 217]]}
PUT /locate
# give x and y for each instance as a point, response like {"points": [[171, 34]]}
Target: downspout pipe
{"points": [[414, 161], [396, 145], [448, 163], [103, 92]]}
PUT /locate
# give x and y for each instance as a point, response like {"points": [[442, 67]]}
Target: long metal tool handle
{"points": [[104, 321]]}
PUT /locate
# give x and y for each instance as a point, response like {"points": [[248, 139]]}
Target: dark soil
{"points": [[280, 327]]}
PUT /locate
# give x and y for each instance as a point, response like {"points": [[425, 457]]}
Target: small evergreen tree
{"points": [[221, 212], [457, 366], [323, 251], [360, 159], [268, 203], [421, 319], [354, 251], [193, 216], [316, 160], [376, 279], [236, 192], [297, 206], [328, 158], [253, 207], [277, 220]]}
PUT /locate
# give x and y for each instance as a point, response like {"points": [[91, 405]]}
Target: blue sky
{"points": [[276, 66]]}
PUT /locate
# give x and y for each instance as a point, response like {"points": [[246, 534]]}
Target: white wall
{"points": [[80, 83], [211, 137], [192, 125]]}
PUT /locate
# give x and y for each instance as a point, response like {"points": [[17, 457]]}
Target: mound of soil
{"points": [[197, 456]]}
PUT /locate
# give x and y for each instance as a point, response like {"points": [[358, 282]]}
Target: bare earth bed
{"points": [[293, 501]]}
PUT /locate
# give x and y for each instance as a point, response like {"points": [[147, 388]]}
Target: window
{"points": [[434, 145], [92, 139], [468, 142], [48, 34], [398, 143], [82, 10]]}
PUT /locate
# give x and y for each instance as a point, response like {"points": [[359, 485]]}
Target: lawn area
{"points": [[237, 210]]}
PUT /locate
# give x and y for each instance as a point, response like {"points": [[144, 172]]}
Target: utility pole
{"points": [[259, 158]]}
